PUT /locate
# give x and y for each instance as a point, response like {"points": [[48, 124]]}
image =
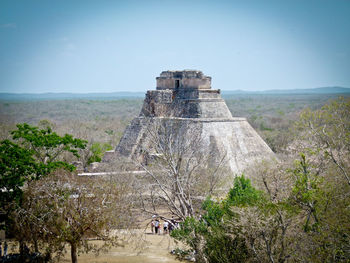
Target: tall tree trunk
{"points": [[199, 250], [73, 252], [21, 247], [36, 247]]}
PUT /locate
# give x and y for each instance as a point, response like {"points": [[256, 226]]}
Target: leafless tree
{"points": [[327, 131], [270, 231], [179, 170]]}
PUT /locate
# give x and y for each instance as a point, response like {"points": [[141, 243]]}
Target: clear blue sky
{"points": [[107, 46]]}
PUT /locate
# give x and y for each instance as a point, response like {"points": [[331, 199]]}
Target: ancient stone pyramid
{"points": [[186, 97]]}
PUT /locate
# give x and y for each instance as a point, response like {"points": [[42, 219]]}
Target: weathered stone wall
{"points": [[233, 138], [191, 79], [157, 103], [194, 97], [214, 108], [209, 94], [199, 108]]}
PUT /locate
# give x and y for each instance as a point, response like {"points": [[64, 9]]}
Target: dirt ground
{"points": [[142, 247]]}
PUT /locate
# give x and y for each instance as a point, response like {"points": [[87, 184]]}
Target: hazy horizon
{"points": [[140, 94], [122, 46]]}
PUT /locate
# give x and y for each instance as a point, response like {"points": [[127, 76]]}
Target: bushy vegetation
{"points": [[95, 121], [32, 153], [272, 116], [105, 121], [210, 236], [300, 212], [296, 209], [45, 205]]}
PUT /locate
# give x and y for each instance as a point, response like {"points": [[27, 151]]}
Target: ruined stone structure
{"points": [[187, 98]]}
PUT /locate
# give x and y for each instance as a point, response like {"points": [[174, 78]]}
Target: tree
{"points": [[17, 166], [328, 131], [93, 152], [323, 189], [268, 226], [211, 236], [64, 208], [60, 208], [47, 147], [305, 217], [35, 153], [301, 214], [97, 151], [179, 173]]}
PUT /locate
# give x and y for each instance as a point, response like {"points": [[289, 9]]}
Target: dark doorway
{"points": [[177, 83]]}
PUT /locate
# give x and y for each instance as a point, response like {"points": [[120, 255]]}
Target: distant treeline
{"points": [[104, 120], [121, 95]]}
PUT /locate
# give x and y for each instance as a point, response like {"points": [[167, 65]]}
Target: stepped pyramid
{"points": [[186, 97]]}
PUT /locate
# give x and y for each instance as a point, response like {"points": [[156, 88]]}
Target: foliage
{"points": [[322, 184], [308, 222], [97, 151], [303, 214], [66, 209], [322, 135], [328, 131], [90, 119], [86, 119], [209, 236], [17, 166], [35, 153], [307, 192], [47, 145], [242, 193], [60, 208]]}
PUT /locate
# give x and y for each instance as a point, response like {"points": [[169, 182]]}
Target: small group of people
{"points": [[168, 225], [5, 249]]}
